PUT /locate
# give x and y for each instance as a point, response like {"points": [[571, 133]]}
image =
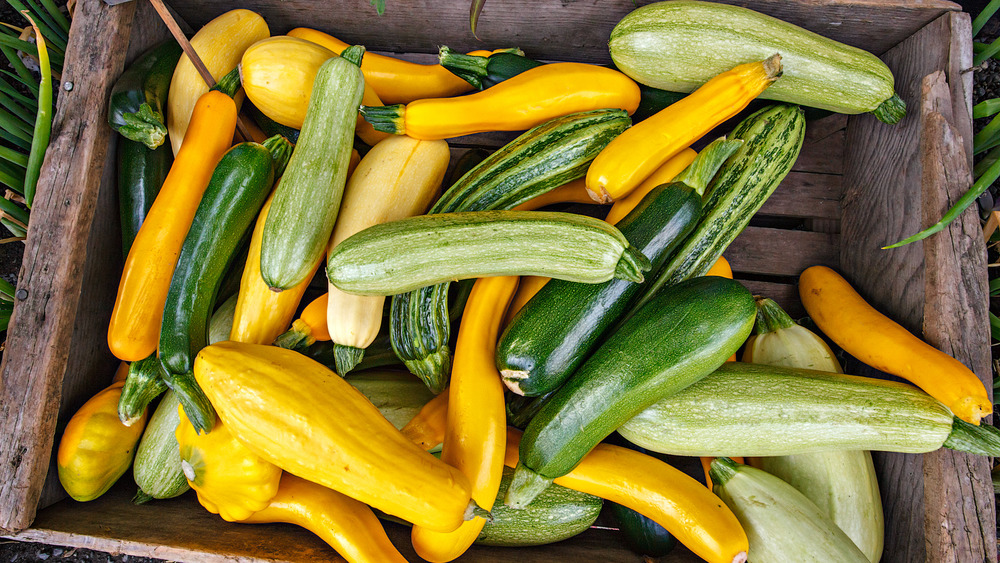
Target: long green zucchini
{"points": [[157, 466], [681, 336], [307, 199], [757, 410], [781, 523], [236, 192], [141, 172], [536, 162], [679, 45], [558, 328], [772, 138], [415, 252], [137, 101]]}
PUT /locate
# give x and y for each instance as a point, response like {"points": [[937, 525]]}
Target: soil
{"points": [[18, 552]]}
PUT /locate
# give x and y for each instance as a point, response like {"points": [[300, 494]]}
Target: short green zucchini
{"points": [[307, 199], [408, 254], [780, 522], [157, 466], [758, 410], [679, 45], [137, 101], [236, 192], [678, 338]]}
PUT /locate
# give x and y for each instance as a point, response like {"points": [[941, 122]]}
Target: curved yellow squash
{"points": [[299, 415]]}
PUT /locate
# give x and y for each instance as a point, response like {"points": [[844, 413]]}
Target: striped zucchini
{"points": [[408, 254], [536, 162], [680, 44], [772, 139], [157, 466], [758, 410], [780, 522], [307, 199], [677, 339]]}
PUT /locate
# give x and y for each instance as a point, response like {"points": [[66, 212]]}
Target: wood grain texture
{"points": [[806, 194], [883, 202], [782, 252], [786, 295], [41, 330], [423, 25], [958, 491]]}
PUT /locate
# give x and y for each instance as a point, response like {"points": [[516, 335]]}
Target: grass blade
{"points": [[29, 84], [63, 21], [984, 16], [475, 9], [11, 177], [980, 168], [10, 123], [44, 15], [41, 27], [968, 198], [22, 71], [988, 134], [14, 228], [6, 309], [14, 139], [12, 211], [986, 108], [986, 53], [14, 157], [7, 290], [16, 109], [995, 286], [25, 101], [43, 121], [994, 327]]}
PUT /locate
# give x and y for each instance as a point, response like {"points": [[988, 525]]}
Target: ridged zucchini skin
{"points": [[679, 45], [558, 328], [157, 466], [772, 138], [232, 200], [408, 254], [534, 163], [557, 514], [307, 199], [758, 410], [681, 336]]}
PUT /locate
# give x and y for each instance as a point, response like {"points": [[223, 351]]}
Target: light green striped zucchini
{"points": [[408, 254], [157, 466], [781, 523], [679, 45], [757, 410]]}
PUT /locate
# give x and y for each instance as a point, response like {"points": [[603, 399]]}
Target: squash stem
{"points": [[144, 126], [229, 83], [722, 470], [387, 119], [981, 440], [700, 172], [197, 407], [281, 150], [353, 54], [525, 485], [299, 337], [631, 265], [470, 68], [891, 110], [141, 497], [770, 316], [347, 357], [142, 384], [432, 369]]}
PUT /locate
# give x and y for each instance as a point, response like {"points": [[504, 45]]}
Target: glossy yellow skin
{"points": [[301, 416], [522, 102], [399, 177], [394, 80], [278, 74], [428, 427], [632, 156], [689, 511], [662, 175], [348, 526], [572, 192], [96, 448], [526, 289], [220, 45], [722, 269], [476, 433], [878, 341], [230, 480], [261, 314]]}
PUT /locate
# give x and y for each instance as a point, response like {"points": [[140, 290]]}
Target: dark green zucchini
{"points": [[141, 172], [562, 324], [643, 535], [484, 72], [143, 384], [678, 338], [540, 160], [138, 98], [271, 127], [239, 185], [772, 139]]}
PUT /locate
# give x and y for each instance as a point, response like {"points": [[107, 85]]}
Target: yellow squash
{"points": [[572, 192], [96, 448], [632, 156], [345, 524], [230, 480], [522, 102], [261, 314], [427, 428], [475, 437], [299, 415], [878, 341], [395, 81], [308, 328], [278, 73], [220, 45], [526, 289], [662, 175], [399, 177]]}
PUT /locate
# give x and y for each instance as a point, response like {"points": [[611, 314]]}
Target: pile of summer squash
{"points": [[569, 327]]}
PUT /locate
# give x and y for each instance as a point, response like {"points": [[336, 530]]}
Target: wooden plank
{"points": [[825, 156], [805, 194], [785, 295], [958, 491], [181, 530], [781, 252], [882, 204], [423, 25], [41, 330]]}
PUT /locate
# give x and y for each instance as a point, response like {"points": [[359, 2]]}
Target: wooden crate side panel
{"points": [[883, 203], [41, 329]]}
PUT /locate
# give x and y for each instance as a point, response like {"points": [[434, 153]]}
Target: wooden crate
{"points": [[857, 186]]}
